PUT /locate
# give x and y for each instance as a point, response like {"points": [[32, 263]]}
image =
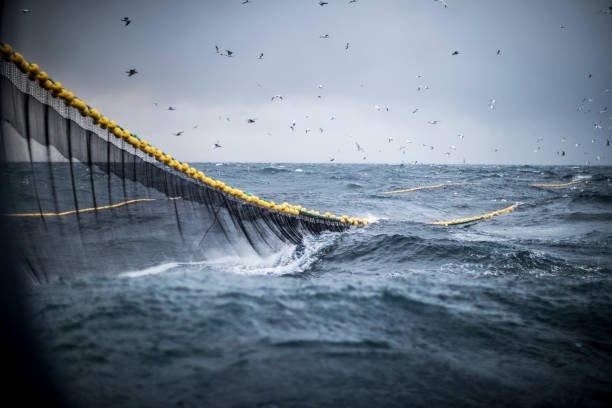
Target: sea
{"points": [[510, 310]]}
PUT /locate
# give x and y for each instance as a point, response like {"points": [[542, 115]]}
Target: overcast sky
{"points": [[548, 49]]}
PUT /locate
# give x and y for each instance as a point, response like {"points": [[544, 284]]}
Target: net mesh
{"points": [[82, 199]]}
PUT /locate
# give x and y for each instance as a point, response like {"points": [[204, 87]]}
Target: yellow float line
{"points": [[480, 217], [56, 90], [82, 210], [420, 188], [557, 185]]}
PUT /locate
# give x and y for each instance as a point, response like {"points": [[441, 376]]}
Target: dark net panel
{"points": [[53, 161]]}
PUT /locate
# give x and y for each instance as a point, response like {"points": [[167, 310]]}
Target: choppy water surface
{"points": [[512, 310]]}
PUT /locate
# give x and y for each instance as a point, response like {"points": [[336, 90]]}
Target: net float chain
{"points": [[56, 90]]}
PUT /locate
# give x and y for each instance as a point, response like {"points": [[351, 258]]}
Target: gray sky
{"points": [[537, 82]]}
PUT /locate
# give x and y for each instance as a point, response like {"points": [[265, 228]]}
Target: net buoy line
{"points": [[479, 217], [126, 140], [421, 188], [557, 185], [84, 210]]}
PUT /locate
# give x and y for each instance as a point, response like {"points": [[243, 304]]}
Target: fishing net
{"points": [[81, 197]]}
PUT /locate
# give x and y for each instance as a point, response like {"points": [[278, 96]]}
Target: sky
{"points": [[551, 81]]}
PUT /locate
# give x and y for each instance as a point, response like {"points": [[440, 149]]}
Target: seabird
{"points": [[433, 122], [229, 53], [331, 159], [179, 133], [217, 48], [277, 97], [377, 107], [607, 142], [359, 148], [324, 36], [217, 145], [292, 127], [460, 136], [245, 1], [306, 130], [24, 11], [155, 103], [322, 3], [260, 56], [126, 20], [390, 139], [455, 53], [416, 110], [321, 130], [352, 1], [171, 108], [346, 47], [251, 120], [492, 104], [131, 72]]}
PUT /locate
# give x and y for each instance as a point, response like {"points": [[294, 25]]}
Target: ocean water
{"points": [[514, 310]]}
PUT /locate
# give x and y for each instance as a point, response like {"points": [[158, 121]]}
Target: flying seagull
{"points": [[331, 159], [171, 108], [179, 133], [322, 3], [126, 20], [359, 148], [251, 120], [433, 122], [155, 103], [25, 11], [229, 53], [416, 110], [131, 72], [455, 53], [260, 56], [498, 52], [460, 136], [244, 2], [277, 97], [492, 104], [217, 145], [217, 49], [292, 127], [352, 1], [346, 47], [324, 36]]}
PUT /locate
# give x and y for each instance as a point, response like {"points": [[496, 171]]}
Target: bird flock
{"points": [[586, 106]]}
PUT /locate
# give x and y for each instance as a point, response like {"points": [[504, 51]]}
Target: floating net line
{"points": [[476, 218], [82, 193]]}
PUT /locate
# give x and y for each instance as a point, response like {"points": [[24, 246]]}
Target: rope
{"points": [[82, 210], [479, 217], [557, 185], [420, 188]]}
